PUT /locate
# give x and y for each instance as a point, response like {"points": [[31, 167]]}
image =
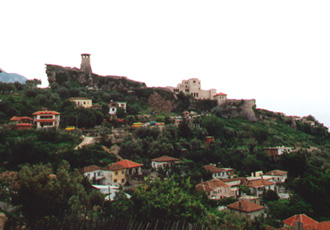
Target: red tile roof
{"points": [[123, 164], [90, 168], [300, 218], [46, 112], [258, 183], [165, 159], [325, 225], [213, 169], [24, 125], [276, 173], [245, 206], [20, 118], [129, 164], [220, 94], [208, 186]]}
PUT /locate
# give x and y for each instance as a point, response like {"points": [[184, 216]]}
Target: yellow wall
{"points": [[86, 103], [120, 178]]}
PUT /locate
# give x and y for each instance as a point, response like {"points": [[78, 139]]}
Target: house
{"points": [[20, 123], [300, 222], [234, 184], [278, 175], [82, 102], [220, 173], [46, 119], [162, 162], [120, 172], [115, 105], [246, 209], [94, 174], [258, 186], [275, 152], [215, 189]]}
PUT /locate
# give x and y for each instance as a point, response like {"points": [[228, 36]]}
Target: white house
{"points": [[279, 176], [163, 161], [93, 173], [220, 173], [46, 119]]}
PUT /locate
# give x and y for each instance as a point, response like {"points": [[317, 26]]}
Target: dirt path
{"points": [[86, 141], [113, 150]]}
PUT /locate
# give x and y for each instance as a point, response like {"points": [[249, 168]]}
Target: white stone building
{"points": [[192, 86]]}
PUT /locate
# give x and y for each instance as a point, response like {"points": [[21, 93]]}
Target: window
{"points": [[115, 180], [116, 173], [122, 172], [122, 180]]}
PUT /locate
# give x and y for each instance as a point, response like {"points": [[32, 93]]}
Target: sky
{"points": [[277, 52]]}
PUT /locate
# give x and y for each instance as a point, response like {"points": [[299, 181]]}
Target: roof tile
{"points": [[245, 206]]}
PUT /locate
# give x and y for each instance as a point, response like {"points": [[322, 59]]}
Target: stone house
{"points": [[215, 189], [246, 209], [46, 119]]}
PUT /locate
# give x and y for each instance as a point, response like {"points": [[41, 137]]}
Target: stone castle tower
{"points": [[86, 63]]}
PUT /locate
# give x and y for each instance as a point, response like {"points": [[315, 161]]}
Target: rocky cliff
{"points": [[73, 76], [235, 108]]}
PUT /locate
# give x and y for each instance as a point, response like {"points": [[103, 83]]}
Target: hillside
{"points": [[239, 143]]}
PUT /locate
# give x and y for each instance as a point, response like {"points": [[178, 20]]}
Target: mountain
{"points": [[11, 77]]}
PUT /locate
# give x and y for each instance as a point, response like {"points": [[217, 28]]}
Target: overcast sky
{"points": [[277, 52]]}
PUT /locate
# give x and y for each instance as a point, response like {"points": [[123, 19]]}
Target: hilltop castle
{"points": [[192, 86]]}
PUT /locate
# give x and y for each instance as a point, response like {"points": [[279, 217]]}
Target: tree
{"points": [[168, 199], [39, 193], [33, 83], [121, 113]]}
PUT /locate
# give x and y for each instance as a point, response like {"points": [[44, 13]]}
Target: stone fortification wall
{"points": [[61, 75], [235, 108]]}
